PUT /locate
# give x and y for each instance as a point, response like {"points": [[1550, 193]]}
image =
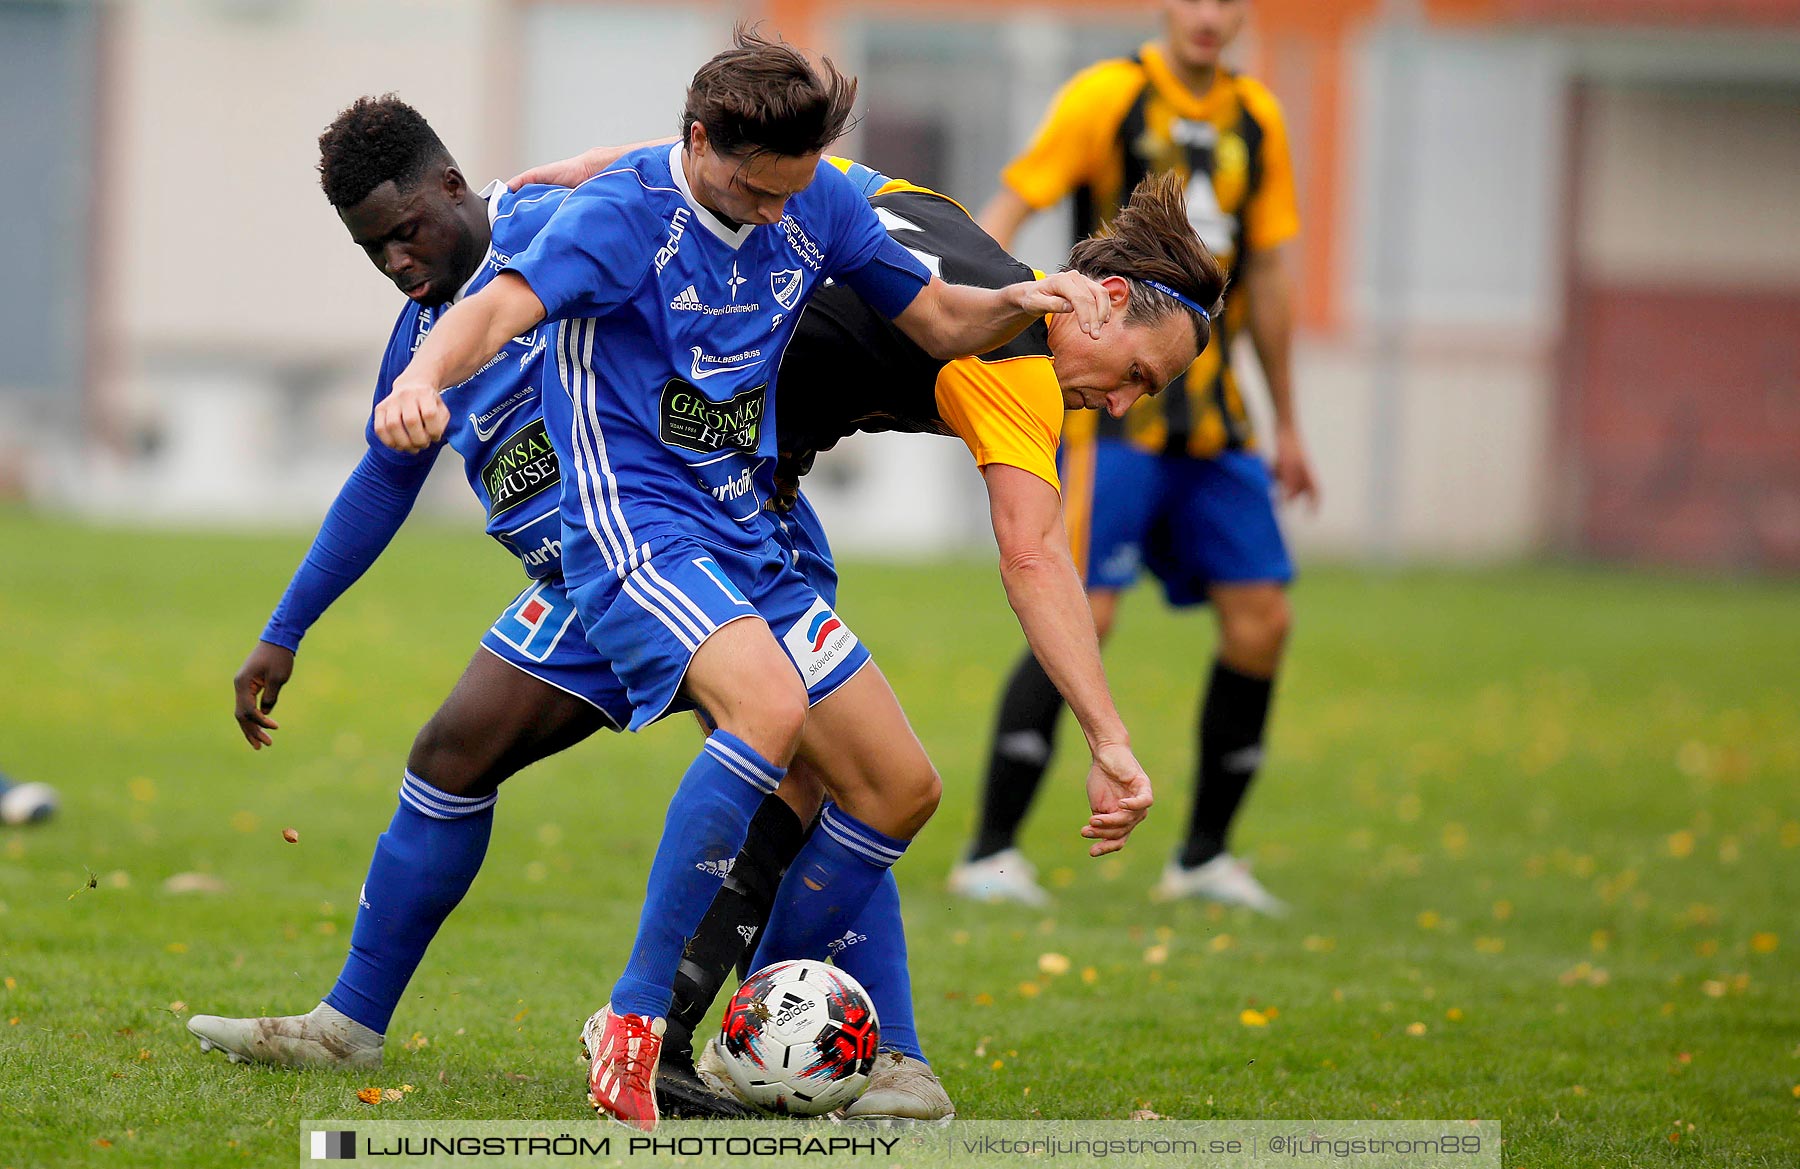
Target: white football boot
{"points": [[710, 1067], [903, 1093], [1224, 879], [323, 1038], [1005, 876]]}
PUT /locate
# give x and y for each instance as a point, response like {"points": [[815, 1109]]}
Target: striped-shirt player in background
{"points": [[1178, 485]]}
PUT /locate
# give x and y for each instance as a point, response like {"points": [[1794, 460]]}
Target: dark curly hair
{"points": [[1151, 239], [375, 140]]}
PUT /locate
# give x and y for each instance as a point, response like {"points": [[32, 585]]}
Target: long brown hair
{"points": [[763, 96], [1152, 239]]}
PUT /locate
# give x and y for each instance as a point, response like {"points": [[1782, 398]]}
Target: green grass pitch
{"points": [[1541, 827]]}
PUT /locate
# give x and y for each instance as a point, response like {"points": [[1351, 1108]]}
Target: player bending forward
{"points": [[660, 419], [846, 370], [401, 197]]}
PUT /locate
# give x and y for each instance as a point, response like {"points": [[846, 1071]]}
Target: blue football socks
{"points": [[826, 887], [705, 827], [423, 865], [874, 953]]}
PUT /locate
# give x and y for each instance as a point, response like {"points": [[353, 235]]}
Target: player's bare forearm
{"points": [[413, 416], [958, 320], [1270, 291], [1046, 594], [1004, 215]]}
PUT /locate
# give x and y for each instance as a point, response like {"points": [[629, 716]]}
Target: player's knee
{"points": [[917, 799], [772, 720], [1257, 631], [1105, 607], [451, 762]]}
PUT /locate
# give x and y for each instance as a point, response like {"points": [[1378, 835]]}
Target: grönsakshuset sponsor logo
{"points": [[522, 466]]}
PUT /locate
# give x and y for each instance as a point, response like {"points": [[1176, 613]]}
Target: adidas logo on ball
{"points": [[791, 1007]]}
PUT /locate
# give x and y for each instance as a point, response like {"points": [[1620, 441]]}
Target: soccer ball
{"points": [[800, 1038]]}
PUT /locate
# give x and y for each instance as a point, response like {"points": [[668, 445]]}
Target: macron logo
{"points": [[687, 300]]}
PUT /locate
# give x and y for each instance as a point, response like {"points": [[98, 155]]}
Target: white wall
{"points": [[610, 73], [246, 328]]}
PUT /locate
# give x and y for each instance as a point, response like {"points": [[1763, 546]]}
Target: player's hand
{"points": [[566, 172], [1068, 292], [258, 685], [412, 417], [1293, 468], [1120, 797]]}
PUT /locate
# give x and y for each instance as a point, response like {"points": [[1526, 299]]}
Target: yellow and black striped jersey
{"points": [[849, 369], [1120, 120]]}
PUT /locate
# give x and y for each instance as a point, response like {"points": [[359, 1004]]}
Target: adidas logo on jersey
{"points": [[748, 933], [720, 869], [688, 301], [838, 945]]}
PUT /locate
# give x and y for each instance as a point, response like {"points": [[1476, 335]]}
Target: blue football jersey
{"points": [[668, 329], [496, 418]]}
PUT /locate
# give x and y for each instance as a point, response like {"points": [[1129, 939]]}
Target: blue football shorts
{"points": [[808, 549], [540, 634], [1192, 522], [647, 626]]}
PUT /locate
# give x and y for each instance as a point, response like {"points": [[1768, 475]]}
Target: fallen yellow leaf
{"points": [[1053, 963], [1250, 1017], [1764, 943]]}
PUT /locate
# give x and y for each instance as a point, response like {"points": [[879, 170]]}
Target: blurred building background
{"points": [[1550, 273]]}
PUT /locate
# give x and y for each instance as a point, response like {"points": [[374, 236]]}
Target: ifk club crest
{"points": [[785, 285]]}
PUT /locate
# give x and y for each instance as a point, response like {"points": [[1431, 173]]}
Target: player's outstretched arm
{"points": [[578, 169], [374, 502], [1045, 591], [414, 416], [958, 320]]}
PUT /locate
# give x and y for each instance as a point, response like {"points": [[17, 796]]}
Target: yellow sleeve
{"points": [[1273, 214], [1076, 135], [1007, 412]]}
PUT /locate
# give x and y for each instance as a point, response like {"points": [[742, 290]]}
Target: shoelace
{"points": [[632, 1062]]}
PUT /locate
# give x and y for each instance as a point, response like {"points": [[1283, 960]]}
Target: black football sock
{"points": [[734, 920], [1023, 740], [1232, 715]]}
